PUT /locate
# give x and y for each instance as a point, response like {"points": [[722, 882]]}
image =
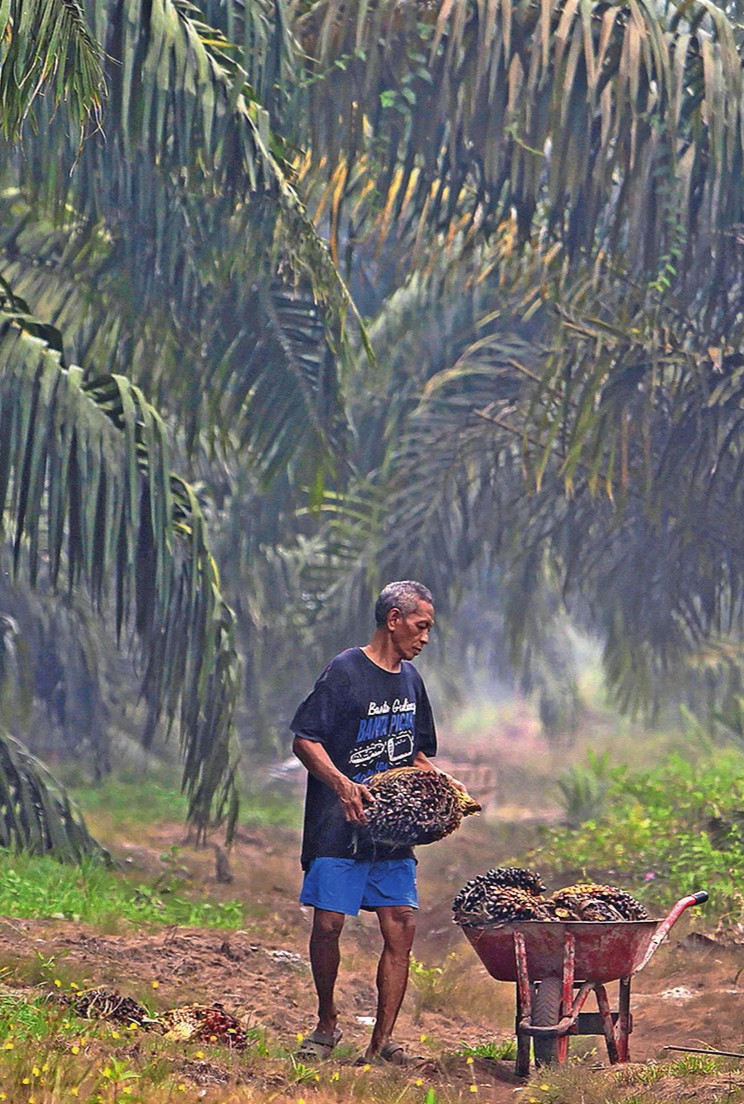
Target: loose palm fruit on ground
{"points": [[204, 1024]]}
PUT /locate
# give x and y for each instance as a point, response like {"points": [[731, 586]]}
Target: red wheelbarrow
{"points": [[548, 959]]}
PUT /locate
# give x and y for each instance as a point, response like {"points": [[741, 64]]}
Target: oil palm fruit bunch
{"points": [[101, 1003], [415, 806], [516, 877], [203, 1024], [501, 895], [589, 901]]}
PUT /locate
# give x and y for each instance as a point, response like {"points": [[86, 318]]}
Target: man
{"points": [[368, 712]]}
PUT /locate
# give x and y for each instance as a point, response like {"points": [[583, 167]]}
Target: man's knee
{"points": [[398, 927], [327, 926]]}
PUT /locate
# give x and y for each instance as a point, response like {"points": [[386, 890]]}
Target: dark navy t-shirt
{"points": [[368, 720]]}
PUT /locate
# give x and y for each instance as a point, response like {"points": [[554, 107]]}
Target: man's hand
{"points": [[353, 797], [424, 763]]}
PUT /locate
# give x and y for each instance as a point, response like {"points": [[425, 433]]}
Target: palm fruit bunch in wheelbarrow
{"points": [[415, 806], [589, 901], [503, 894], [508, 894]]}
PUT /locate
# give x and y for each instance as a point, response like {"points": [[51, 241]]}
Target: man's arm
{"points": [[317, 761]]}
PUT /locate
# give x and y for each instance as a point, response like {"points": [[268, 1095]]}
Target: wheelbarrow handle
{"points": [[669, 921]]}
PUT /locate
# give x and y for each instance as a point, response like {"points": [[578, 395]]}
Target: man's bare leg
{"points": [[325, 957], [398, 927]]}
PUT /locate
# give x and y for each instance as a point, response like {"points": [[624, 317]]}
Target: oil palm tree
{"points": [[474, 151], [121, 257], [549, 197]]}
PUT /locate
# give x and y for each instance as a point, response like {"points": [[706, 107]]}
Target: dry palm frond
{"points": [[101, 1003], [415, 806]]}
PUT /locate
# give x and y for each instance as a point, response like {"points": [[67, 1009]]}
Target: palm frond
{"points": [[184, 134], [616, 126], [46, 47], [577, 423], [259, 34], [259, 366], [36, 814], [84, 470]]}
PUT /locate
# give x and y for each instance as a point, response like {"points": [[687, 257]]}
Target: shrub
{"points": [[663, 833]]}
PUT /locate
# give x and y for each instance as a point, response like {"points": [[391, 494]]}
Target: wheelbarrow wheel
{"points": [[546, 1012]]}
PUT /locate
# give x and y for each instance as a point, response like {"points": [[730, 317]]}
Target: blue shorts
{"points": [[345, 885]]}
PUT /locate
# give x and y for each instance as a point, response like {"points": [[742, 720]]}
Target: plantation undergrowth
{"points": [[158, 923]]}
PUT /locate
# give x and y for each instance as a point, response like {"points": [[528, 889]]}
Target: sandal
{"points": [[393, 1053], [317, 1046], [390, 1053]]}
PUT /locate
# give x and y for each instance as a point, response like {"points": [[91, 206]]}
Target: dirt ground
{"points": [[690, 995]]}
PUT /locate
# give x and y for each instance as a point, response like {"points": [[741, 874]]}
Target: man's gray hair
{"points": [[404, 595]]}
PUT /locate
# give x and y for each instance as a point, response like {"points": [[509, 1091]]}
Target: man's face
{"points": [[409, 632]]}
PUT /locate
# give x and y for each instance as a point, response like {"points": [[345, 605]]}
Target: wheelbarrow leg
{"points": [[569, 961], [524, 1006], [522, 1067], [624, 1021], [608, 1027]]}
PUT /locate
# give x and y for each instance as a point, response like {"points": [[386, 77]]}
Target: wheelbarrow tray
{"points": [[605, 949]]}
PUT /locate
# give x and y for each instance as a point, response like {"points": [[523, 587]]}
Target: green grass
{"points": [[268, 808], [33, 886], [131, 802], [499, 1050], [22, 1019]]}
